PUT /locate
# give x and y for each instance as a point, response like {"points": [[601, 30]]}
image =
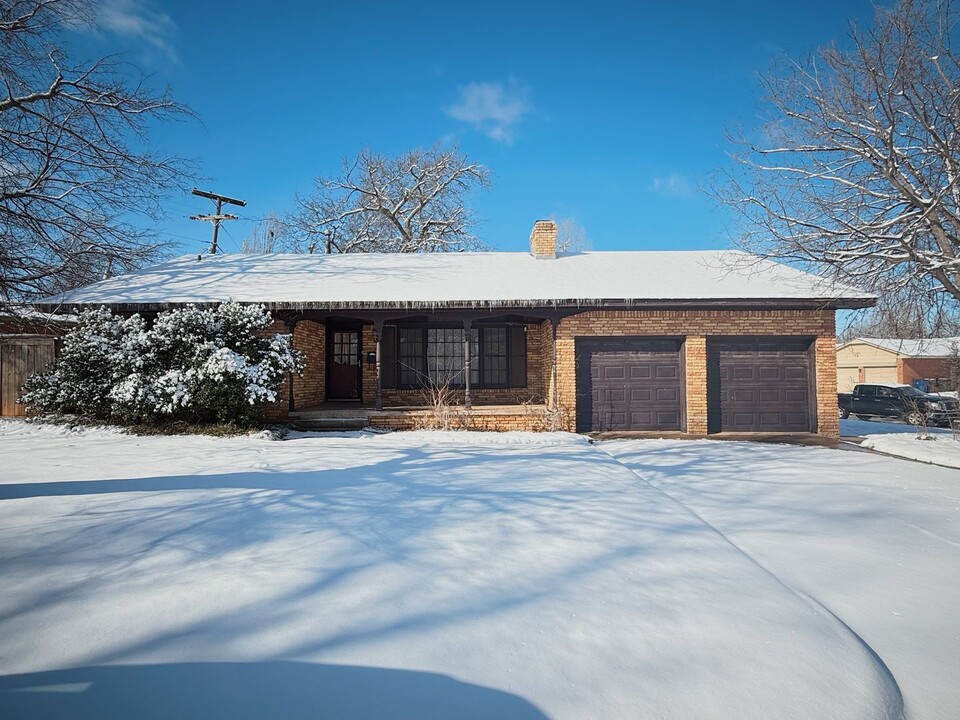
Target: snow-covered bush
{"points": [[198, 365], [100, 352]]}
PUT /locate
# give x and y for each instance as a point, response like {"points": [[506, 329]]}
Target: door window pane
{"points": [[346, 348]]}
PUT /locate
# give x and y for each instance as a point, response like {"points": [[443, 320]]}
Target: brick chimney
{"points": [[543, 239]]}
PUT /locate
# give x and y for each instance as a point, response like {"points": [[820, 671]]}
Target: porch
{"points": [[385, 369]]}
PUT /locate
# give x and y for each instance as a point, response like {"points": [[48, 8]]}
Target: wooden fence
{"points": [[21, 357]]}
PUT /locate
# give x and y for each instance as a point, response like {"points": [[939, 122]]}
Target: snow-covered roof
{"points": [[918, 347], [468, 280]]}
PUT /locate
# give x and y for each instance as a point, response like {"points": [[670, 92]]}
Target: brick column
{"points": [[828, 420], [695, 360]]}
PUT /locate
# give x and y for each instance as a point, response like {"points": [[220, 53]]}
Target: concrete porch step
{"points": [[330, 423]]}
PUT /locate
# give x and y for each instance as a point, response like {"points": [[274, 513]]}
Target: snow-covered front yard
{"points": [[939, 446], [471, 575]]}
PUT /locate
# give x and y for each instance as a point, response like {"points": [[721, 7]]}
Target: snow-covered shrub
{"points": [[100, 352], [199, 365]]}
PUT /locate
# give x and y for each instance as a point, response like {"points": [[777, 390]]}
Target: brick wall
{"points": [[278, 411], [910, 369], [696, 326], [310, 338]]}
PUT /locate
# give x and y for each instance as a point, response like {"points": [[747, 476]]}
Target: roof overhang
{"points": [[502, 305]]}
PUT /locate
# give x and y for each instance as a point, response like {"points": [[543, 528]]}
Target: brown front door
{"points": [[344, 364]]}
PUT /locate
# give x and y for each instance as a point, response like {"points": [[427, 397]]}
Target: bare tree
{"points": [[906, 314], [571, 236], [269, 235], [75, 164], [857, 169], [415, 202]]}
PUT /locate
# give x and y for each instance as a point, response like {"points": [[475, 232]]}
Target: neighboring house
{"points": [[695, 342], [895, 360], [29, 342]]}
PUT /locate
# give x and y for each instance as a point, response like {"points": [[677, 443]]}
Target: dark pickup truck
{"points": [[901, 402]]}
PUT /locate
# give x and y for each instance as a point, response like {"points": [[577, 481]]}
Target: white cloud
{"points": [[674, 185], [138, 20], [491, 108]]}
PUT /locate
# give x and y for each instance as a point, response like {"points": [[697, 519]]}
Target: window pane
{"points": [[445, 355], [494, 356], [410, 369]]}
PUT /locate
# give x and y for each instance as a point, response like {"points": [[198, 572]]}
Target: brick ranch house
{"points": [[686, 342]]}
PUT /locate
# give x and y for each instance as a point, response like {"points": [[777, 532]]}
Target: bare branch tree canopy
{"points": [[269, 235], [905, 314], [858, 169], [75, 165], [572, 236], [415, 202]]}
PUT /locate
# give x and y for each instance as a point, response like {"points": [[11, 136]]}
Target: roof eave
{"points": [[848, 303]]}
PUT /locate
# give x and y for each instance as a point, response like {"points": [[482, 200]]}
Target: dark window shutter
{"points": [[388, 357], [518, 356]]}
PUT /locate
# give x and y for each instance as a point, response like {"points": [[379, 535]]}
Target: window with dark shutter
{"points": [[518, 356], [388, 357]]}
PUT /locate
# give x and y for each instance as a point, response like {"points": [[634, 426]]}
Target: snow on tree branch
{"points": [[415, 202], [76, 169], [857, 169]]}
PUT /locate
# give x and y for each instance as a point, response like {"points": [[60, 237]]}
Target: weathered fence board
{"points": [[19, 359]]}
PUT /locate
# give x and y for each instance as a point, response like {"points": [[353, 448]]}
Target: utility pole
{"points": [[218, 216]]}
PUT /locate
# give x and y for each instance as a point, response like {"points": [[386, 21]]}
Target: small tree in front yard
{"points": [[195, 365]]}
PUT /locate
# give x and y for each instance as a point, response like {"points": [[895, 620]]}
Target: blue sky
{"points": [[611, 113]]}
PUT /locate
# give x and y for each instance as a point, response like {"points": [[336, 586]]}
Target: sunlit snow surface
{"points": [[442, 575]]}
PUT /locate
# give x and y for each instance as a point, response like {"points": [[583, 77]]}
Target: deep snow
{"points": [[875, 540], [937, 445], [938, 448], [467, 575]]}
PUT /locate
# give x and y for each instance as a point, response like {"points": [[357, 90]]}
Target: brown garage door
{"points": [[19, 359], [628, 384], [762, 384]]}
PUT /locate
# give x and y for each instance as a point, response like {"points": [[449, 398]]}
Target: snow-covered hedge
{"points": [[199, 365]]}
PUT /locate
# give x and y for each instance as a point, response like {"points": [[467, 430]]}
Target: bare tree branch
{"points": [[857, 169], [415, 202], [76, 167]]}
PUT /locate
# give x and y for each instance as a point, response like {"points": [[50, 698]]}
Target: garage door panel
{"points": [[614, 373], [668, 419], [668, 371], [761, 384], [769, 373], [628, 384], [668, 394]]}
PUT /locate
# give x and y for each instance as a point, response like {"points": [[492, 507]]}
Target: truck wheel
{"points": [[844, 413], [915, 418]]}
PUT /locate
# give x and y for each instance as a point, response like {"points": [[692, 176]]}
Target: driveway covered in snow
{"points": [[470, 575]]}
